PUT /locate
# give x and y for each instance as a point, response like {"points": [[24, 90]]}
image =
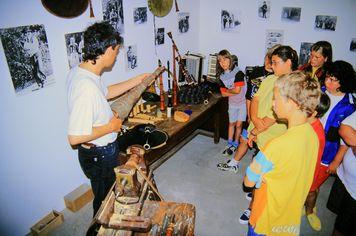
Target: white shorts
{"points": [[237, 113]]}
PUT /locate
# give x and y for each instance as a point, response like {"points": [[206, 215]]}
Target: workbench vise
{"points": [[128, 183]]}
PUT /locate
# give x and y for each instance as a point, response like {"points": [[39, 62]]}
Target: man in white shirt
{"points": [[92, 124]]}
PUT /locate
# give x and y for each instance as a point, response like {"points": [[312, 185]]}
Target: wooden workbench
{"points": [[205, 119], [184, 219]]}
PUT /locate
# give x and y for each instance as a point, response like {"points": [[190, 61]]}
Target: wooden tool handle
{"points": [[148, 181]]}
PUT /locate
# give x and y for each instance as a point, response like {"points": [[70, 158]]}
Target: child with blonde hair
{"points": [[287, 160]]}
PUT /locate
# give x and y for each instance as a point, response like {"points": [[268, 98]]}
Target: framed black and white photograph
{"points": [[159, 36], [74, 45], [183, 22], [291, 13], [304, 54], [140, 15], [273, 37], [264, 9], [131, 57], [230, 20], [325, 22], [27, 55], [353, 45], [113, 12]]}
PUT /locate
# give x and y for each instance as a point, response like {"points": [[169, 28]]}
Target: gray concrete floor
{"points": [[191, 176]]}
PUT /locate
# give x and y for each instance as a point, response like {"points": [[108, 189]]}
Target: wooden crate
{"points": [[79, 197], [47, 223]]}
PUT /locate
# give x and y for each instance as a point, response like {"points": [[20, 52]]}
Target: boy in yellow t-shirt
{"points": [[283, 170]]}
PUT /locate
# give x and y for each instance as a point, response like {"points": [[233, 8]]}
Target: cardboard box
{"points": [[47, 223], [79, 197]]}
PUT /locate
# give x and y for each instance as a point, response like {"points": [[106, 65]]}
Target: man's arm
{"points": [[113, 126], [348, 134], [120, 88], [337, 159]]}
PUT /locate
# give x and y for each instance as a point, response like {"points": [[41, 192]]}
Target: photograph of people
{"points": [[27, 55], [131, 56]]}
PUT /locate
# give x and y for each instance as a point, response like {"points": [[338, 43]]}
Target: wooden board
{"points": [[184, 218], [184, 215]]}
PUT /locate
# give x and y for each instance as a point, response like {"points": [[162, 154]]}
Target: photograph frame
{"points": [[28, 58], [325, 22], [131, 57], [291, 14], [230, 20], [74, 45]]}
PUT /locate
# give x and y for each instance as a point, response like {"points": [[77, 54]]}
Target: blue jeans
{"points": [[98, 165]]}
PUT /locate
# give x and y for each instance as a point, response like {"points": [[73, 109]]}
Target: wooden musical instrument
{"points": [[161, 91], [189, 79], [123, 104], [174, 84]]}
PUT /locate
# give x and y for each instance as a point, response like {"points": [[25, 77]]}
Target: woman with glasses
{"points": [[321, 54], [339, 85]]}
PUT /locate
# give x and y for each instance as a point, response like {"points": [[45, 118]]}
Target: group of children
{"points": [[293, 117]]}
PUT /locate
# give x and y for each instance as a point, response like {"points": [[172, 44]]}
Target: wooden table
{"points": [[205, 120]]}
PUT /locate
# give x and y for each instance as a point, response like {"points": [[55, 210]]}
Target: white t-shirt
{"points": [[333, 101], [347, 170], [87, 105]]}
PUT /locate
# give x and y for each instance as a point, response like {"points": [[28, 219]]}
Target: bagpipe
{"points": [[191, 92], [144, 134], [123, 104]]}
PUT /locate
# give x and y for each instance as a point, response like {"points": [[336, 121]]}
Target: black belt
{"points": [[88, 145], [92, 145]]}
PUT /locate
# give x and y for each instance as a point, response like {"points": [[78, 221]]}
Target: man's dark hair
{"points": [[97, 38], [323, 105]]}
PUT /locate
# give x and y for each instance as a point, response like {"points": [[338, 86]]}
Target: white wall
{"points": [[37, 165], [248, 43]]}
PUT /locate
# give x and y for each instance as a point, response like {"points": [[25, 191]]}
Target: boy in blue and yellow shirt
{"points": [[283, 170]]}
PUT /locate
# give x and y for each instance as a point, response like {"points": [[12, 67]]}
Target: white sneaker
{"points": [[229, 150], [225, 167], [249, 196], [245, 217]]}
